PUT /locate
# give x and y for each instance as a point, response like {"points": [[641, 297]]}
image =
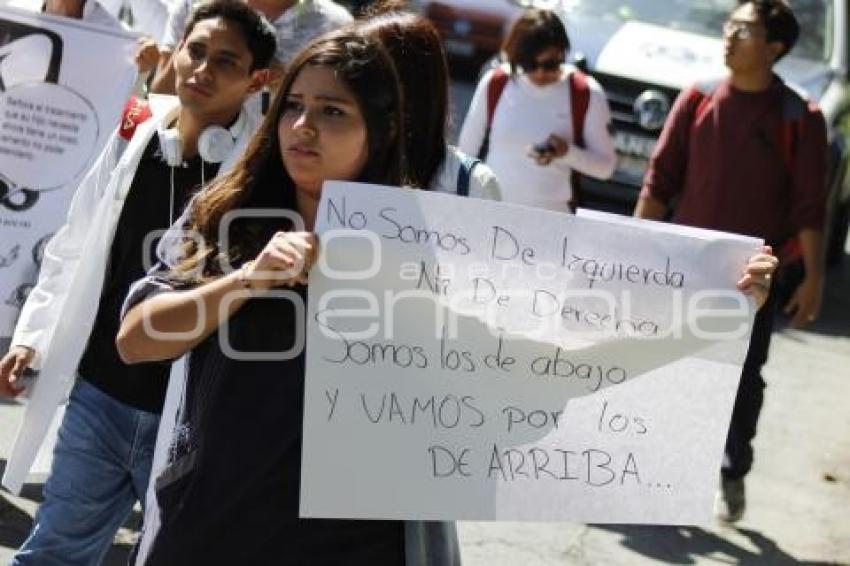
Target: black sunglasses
{"points": [[546, 65]]}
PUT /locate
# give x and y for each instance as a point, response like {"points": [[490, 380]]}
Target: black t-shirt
{"points": [[148, 208], [231, 492]]}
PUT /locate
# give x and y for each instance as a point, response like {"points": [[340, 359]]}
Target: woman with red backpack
{"points": [[536, 121]]}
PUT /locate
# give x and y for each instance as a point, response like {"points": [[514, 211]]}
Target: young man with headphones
{"points": [[137, 188]]}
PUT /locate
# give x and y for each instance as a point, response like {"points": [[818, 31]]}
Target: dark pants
{"points": [[739, 451]]}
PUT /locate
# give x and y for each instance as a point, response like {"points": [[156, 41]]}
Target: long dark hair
{"points": [[259, 179], [417, 51]]}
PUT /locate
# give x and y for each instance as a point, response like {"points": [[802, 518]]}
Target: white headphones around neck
{"points": [[215, 143]]}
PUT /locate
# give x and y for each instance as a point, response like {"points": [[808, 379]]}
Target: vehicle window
{"points": [[706, 17]]}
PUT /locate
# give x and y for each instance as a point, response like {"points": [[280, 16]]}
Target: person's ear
{"points": [[259, 79], [777, 50], [276, 73]]}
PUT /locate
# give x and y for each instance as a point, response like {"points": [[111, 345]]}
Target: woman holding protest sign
{"points": [[417, 52], [536, 120], [337, 116]]}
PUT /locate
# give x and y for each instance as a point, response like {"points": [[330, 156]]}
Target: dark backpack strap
{"points": [[464, 173], [789, 135], [580, 101], [794, 109], [495, 88]]}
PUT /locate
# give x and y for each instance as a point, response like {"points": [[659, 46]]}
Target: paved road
{"points": [[799, 489]]}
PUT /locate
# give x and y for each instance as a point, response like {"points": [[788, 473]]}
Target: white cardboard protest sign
{"points": [[63, 84], [477, 360]]}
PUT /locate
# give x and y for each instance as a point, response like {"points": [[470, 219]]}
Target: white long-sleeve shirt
{"points": [[527, 114], [482, 182]]}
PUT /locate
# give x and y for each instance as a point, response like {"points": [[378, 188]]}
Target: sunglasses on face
{"points": [[545, 65], [740, 30]]}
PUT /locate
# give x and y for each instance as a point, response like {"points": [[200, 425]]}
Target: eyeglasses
{"points": [[740, 30], [545, 65]]}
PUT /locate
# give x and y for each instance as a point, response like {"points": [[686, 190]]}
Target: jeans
{"points": [[101, 466], [738, 457]]}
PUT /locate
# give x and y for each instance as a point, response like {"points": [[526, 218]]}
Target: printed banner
{"points": [[477, 360], [63, 84]]}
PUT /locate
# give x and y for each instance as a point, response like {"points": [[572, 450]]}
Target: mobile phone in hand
{"points": [[543, 149]]}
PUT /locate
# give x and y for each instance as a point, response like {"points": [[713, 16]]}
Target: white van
{"points": [[644, 52]]}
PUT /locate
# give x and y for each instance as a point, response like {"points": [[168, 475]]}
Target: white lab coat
{"points": [[58, 316]]}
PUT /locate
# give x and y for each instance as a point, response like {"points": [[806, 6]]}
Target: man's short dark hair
{"points": [[779, 21], [259, 34]]}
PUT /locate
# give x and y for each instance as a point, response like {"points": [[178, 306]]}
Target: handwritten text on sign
{"points": [[477, 360]]}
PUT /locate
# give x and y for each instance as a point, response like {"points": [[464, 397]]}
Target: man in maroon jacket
{"points": [[748, 155]]}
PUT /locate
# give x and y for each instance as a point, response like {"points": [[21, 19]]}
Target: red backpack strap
{"points": [[700, 102], [580, 102], [497, 84], [580, 97], [495, 88], [135, 112], [700, 98]]}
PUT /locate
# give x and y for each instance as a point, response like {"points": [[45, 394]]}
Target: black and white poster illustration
{"points": [[63, 84]]}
